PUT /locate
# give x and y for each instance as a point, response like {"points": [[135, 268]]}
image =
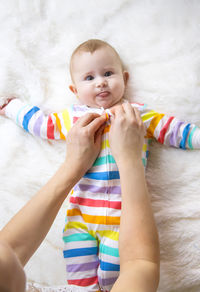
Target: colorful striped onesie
{"points": [[93, 216]]}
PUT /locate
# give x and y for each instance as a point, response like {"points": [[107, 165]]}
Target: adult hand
{"points": [[126, 134], [84, 142]]}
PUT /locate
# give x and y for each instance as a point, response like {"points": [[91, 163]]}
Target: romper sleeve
{"points": [[169, 130], [33, 120]]}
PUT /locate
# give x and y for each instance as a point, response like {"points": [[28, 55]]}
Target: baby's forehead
{"points": [[102, 56]]}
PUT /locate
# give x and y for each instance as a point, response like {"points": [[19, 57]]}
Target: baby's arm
{"points": [[34, 121], [170, 131]]}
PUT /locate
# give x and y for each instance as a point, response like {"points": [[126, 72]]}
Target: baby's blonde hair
{"points": [[91, 46]]}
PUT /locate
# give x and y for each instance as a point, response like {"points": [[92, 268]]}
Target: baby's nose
{"points": [[101, 82]]}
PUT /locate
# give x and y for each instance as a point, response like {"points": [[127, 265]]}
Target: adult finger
{"points": [[138, 117], [118, 110], [98, 134], [129, 110], [96, 123], [86, 119], [137, 114]]}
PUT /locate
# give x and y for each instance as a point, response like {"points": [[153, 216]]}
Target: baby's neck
{"points": [[123, 100]]}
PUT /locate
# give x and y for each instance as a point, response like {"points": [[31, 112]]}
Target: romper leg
{"points": [[109, 267], [81, 256]]}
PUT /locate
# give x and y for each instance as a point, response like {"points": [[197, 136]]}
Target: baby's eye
{"points": [[89, 77], [108, 73]]}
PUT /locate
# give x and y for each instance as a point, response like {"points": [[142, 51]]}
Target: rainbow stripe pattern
{"points": [[92, 223]]}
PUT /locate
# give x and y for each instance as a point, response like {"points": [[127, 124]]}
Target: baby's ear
{"points": [[126, 77], [73, 89]]}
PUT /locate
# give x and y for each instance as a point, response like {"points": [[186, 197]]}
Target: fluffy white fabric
{"points": [[159, 42]]}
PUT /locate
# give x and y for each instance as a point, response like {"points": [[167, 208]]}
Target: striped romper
{"points": [[92, 223]]}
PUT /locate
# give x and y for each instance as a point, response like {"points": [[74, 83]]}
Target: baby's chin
{"points": [[105, 104]]}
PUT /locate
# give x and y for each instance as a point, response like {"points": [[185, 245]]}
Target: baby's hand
{"points": [[3, 103]]}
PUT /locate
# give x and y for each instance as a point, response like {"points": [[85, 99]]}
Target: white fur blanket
{"points": [[159, 42]]}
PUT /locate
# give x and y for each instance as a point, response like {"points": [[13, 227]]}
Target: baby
{"points": [[93, 216]]}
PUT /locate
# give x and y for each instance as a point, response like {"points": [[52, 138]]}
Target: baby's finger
{"points": [[2, 111]]}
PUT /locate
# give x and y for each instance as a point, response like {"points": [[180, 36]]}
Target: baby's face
{"points": [[99, 80]]}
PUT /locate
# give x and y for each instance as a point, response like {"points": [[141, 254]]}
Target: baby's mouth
{"points": [[103, 93]]}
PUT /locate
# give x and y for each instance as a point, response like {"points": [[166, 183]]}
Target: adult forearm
{"points": [[138, 232], [27, 229]]}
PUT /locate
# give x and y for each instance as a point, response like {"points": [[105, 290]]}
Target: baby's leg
{"points": [[108, 270], [81, 255]]}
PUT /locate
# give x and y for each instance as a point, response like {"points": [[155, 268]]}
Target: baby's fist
{"points": [[3, 103]]}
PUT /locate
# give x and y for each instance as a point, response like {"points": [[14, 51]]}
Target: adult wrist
{"points": [[61, 183], [68, 172], [129, 162], [72, 171]]}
